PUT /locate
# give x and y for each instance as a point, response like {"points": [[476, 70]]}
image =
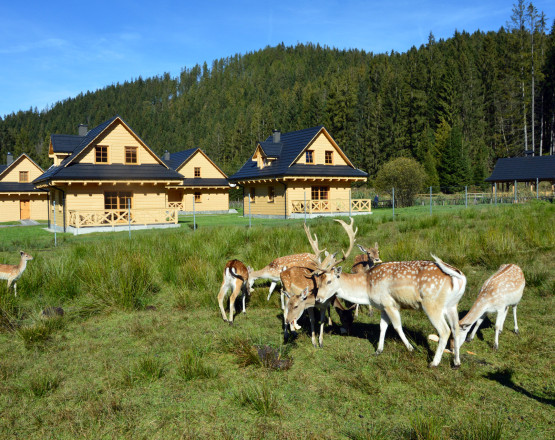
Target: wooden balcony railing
{"points": [[330, 206], [176, 205], [120, 217]]}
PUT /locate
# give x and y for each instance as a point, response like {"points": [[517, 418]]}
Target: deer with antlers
{"points": [[236, 277], [12, 272], [273, 270], [364, 262], [436, 287], [300, 288], [503, 289]]}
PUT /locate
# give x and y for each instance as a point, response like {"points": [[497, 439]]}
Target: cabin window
{"points": [[197, 171], [329, 158], [271, 194], [101, 154], [320, 192], [198, 197], [252, 194], [309, 156], [118, 199], [23, 176], [131, 155]]}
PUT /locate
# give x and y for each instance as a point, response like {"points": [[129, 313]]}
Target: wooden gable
{"points": [[208, 169], [118, 137], [321, 144], [23, 164]]}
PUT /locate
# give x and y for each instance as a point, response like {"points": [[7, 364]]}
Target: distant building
{"points": [[523, 169], [297, 172]]}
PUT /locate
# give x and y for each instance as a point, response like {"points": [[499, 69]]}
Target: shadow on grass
{"points": [[505, 378]]}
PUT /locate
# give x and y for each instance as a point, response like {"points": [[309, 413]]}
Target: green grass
{"points": [[142, 351]]}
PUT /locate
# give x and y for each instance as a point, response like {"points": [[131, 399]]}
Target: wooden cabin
{"points": [[19, 199], [204, 187], [106, 179], [300, 173]]}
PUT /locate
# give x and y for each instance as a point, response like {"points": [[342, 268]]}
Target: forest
{"points": [[455, 105]]}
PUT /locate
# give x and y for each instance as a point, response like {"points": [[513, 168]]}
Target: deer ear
{"points": [[361, 248], [376, 245], [304, 294], [21, 253], [286, 294], [338, 271]]}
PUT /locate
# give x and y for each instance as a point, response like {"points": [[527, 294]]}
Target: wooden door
{"points": [[24, 209]]}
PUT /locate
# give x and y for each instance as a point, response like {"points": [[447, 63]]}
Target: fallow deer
{"points": [[299, 287], [364, 262], [236, 277], [273, 270], [435, 287], [12, 272], [503, 289]]}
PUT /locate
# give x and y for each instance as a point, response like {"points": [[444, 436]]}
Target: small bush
{"points": [[404, 174], [259, 398]]}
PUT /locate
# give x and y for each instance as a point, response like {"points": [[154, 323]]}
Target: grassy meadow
{"points": [[142, 352]]}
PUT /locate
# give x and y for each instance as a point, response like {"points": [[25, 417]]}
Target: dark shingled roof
{"points": [[205, 182], [15, 187], [286, 151], [65, 143], [3, 168], [176, 159], [523, 169], [89, 171]]}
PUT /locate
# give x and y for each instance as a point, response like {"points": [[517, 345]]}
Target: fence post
{"points": [[194, 214], [304, 207], [393, 201], [515, 192], [430, 200], [350, 203], [466, 196], [129, 216], [250, 225], [495, 186], [55, 237], [537, 188]]}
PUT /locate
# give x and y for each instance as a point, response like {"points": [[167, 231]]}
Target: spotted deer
{"points": [[364, 262], [236, 277], [503, 289], [273, 270], [436, 287], [12, 272], [299, 287]]}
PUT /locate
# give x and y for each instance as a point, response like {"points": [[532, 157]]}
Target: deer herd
{"points": [[316, 281]]}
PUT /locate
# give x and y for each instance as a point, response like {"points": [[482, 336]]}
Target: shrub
{"points": [[406, 175]]}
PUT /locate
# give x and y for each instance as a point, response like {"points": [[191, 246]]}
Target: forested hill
{"points": [[456, 105]]}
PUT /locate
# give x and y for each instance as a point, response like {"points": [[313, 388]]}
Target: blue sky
{"points": [[53, 50]]}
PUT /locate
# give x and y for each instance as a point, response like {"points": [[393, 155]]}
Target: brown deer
{"points": [[364, 262], [236, 277], [12, 272], [436, 287], [503, 289]]}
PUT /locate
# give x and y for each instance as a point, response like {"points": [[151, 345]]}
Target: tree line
{"points": [[454, 105]]}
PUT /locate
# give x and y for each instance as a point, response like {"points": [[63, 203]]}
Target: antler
{"points": [[313, 242], [351, 234]]}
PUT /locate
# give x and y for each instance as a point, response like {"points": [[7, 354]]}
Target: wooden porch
{"points": [[119, 217], [330, 206]]}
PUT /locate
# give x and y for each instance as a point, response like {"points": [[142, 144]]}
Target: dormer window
{"points": [[101, 154], [197, 172], [309, 156]]}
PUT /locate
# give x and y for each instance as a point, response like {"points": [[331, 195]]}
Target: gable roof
{"points": [[69, 169], [179, 158], [65, 143], [287, 151], [5, 169], [523, 169]]}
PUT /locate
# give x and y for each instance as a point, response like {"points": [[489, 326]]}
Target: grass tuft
{"points": [[426, 428], [42, 384], [191, 366], [260, 398], [39, 333], [146, 369]]}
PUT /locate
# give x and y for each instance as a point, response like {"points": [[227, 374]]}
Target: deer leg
{"points": [[475, 329], [221, 296], [384, 323], [282, 300], [516, 324], [356, 310], [311, 318], [232, 299], [501, 315], [244, 297], [395, 318], [453, 319], [322, 318]]}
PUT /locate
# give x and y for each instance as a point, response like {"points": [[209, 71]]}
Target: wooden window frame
{"points": [[131, 151], [271, 194], [24, 177], [196, 172], [119, 199], [309, 154], [252, 194], [197, 197], [99, 149], [328, 155], [317, 192]]}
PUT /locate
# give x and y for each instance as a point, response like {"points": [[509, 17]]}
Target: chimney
{"points": [[9, 159], [276, 134], [166, 155], [528, 153], [83, 129]]}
